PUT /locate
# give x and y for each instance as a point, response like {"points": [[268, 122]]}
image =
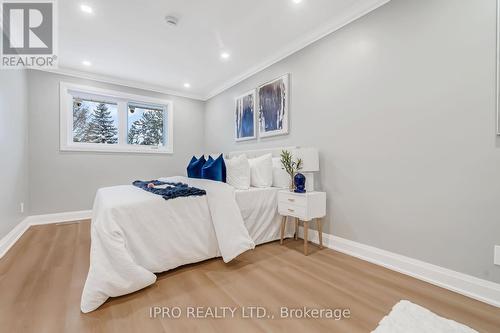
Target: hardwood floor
{"points": [[42, 276]]}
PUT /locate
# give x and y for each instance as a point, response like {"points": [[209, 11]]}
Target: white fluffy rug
{"points": [[407, 317]]}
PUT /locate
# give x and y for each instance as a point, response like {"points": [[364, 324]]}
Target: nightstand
{"points": [[302, 207]]}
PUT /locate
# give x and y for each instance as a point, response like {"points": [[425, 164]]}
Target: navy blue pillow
{"points": [[214, 169], [195, 166]]}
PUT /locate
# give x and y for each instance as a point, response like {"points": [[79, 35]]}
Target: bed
{"points": [[136, 234]]}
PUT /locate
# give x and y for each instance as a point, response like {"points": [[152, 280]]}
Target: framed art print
{"points": [[273, 107], [244, 116]]}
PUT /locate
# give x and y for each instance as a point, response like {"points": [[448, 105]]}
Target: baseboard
{"points": [[479, 289], [59, 217], [467, 285], [12, 237]]}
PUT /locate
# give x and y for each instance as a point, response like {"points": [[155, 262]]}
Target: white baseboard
{"points": [[59, 217], [479, 289], [11, 238], [467, 285]]}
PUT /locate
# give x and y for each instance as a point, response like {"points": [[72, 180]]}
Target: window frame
{"points": [[69, 90]]}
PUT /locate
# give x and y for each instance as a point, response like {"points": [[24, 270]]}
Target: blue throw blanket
{"points": [[175, 190]]}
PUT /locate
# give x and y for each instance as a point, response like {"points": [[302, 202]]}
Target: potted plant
{"points": [[290, 165]]}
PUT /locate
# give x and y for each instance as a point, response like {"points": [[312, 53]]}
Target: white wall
{"points": [[67, 181], [13, 148], [401, 104]]}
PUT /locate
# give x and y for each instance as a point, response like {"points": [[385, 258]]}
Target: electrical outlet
{"points": [[21, 207], [497, 255]]}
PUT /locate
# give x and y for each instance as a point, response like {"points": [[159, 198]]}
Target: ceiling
{"points": [[129, 42]]}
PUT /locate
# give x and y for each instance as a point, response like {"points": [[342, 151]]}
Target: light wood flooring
{"points": [[42, 276]]}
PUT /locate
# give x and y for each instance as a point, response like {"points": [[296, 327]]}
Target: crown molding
{"points": [[120, 82], [357, 11], [360, 9]]}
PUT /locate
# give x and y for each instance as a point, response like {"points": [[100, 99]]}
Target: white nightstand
{"points": [[303, 207]]}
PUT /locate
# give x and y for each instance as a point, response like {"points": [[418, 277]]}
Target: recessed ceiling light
{"points": [[297, 1], [187, 85], [86, 9], [86, 63], [225, 55]]}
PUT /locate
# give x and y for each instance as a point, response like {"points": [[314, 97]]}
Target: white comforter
{"points": [[136, 233]]}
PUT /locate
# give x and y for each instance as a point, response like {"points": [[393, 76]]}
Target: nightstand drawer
{"points": [[285, 208], [306, 206], [292, 199]]}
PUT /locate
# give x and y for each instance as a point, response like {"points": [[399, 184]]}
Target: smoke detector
{"points": [[171, 20]]}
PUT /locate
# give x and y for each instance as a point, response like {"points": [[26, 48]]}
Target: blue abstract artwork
{"points": [[273, 107], [245, 117]]}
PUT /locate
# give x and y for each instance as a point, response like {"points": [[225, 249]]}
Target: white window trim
{"points": [[121, 98]]}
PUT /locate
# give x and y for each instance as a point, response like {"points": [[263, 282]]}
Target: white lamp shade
{"points": [[310, 159]]}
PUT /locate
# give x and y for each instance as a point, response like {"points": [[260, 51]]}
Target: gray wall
{"points": [[401, 104], [13, 148], [67, 181]]}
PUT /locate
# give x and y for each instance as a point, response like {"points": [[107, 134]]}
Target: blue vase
{"points": [[300, 183]]}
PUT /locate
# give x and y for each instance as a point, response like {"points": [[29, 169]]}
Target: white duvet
{"points": [[136, 234]]}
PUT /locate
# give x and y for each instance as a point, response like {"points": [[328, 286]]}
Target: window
{"points": [[110, 121], [95, 121], [146, 125]]}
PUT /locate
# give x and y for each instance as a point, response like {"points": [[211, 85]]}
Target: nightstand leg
{"points": [[283, 223], [296, 228], [320, 232], [306, 227]]}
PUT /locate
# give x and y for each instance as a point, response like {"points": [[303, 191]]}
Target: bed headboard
{"points": [[276, 152], [256, 153]]}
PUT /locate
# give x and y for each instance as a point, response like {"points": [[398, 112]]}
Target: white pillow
{"points": [[238, 172], [280, 177], [261, 169]]}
